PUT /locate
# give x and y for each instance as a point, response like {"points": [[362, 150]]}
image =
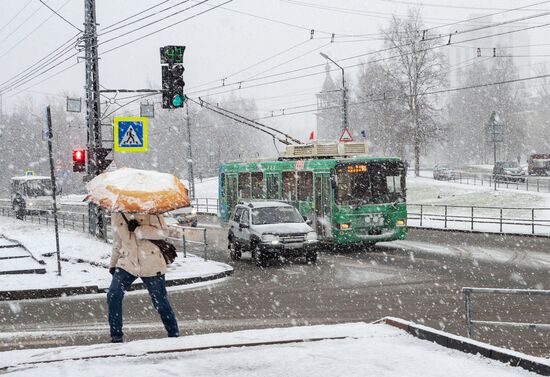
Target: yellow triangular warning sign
{"points": [[346, 136]]}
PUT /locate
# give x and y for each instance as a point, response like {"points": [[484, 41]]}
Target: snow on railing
{"points": [[468, 291], [535, 221]]}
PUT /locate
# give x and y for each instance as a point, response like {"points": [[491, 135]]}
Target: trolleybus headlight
{"points": [[311, 237], [401, 222], [343, 226]]}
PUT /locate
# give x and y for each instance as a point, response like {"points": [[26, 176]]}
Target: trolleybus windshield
{"points": [[372, 182]]}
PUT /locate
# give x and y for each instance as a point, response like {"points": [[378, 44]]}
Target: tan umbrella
{"points": [[137, 191]]}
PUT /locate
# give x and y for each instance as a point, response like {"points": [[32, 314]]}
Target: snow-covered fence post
{"points": [[501, 220], [472, 220], [538, 185], [532, 221], [468, 305], [421, 207], [205, 245], [184, 245], [445, 216]]}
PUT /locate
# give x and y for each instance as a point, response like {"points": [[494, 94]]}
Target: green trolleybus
{"points": [[350, 197]]}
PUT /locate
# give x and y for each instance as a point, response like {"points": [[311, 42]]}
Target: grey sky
{"points": [[222, 42]]}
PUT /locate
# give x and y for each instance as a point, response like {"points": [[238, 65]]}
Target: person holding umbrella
{"points": [[134, 256], [135, 199]]}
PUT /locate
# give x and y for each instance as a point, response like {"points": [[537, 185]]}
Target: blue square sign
{"points": [[130, 134]]}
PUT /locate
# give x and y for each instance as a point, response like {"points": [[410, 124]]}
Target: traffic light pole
{"points": [[190, 156], [93, 104]]}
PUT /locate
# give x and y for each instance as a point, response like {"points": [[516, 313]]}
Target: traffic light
{"points": [[171, 58], [79, 160]]}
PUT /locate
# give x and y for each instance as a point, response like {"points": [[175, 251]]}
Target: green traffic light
{"points": [[177, 101]]}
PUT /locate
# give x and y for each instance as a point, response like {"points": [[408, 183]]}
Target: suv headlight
{"points": [[270, 238], [311, 237], [194, 211]]}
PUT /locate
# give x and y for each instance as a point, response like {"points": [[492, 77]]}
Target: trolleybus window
{"points": [[244, 185], [373, 182], [289, 185], [305, 185], [272, 186], [222, 182], [257, 185]]}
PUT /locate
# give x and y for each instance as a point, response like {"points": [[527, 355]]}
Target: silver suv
{"points": [[270, 230]]}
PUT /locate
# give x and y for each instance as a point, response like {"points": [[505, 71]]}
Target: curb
{"points": [[479, 232], [466, 345], [31, 294]]}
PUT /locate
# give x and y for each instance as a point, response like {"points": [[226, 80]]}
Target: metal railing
{"points": [[524, 183], [192, 236], [206, 205], [468, 291], [500, 219]]}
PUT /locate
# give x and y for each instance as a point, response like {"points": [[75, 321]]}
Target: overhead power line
{"points": [[41, 71], [59, 15], [441, 91], [16, 15], [241, 84]]}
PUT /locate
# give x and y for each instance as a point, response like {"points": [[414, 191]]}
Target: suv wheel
{"points": [[311, 257], [260, 258], [234, 253]]}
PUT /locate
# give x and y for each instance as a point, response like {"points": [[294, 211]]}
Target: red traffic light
{"points": [[79, 160], [79, 156]]}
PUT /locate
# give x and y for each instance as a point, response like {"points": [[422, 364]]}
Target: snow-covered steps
{"points": [[16, 259]]}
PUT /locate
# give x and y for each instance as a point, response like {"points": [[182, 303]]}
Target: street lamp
{"points": [[344, 92]]}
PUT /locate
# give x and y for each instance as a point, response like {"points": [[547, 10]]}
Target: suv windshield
{"points": [[510, 165], [275, 215]]}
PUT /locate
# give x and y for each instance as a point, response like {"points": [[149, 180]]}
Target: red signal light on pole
{"points": [[79, 160]]}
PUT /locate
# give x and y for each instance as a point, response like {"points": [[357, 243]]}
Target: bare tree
{"points": [[381, 118], [417, 68]]}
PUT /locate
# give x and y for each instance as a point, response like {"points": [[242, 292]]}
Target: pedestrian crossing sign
{"points": [[130, 134]]}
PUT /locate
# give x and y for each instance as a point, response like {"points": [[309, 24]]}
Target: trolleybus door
{"points": [[322, 206], [231, 193]]}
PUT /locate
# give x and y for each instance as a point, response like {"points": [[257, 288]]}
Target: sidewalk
{"points": [[392, 348], [84, 264]]}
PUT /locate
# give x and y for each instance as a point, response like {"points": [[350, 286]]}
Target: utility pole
{"points": [[190, 156], [54, 187], [344, 93], [93, 110]]}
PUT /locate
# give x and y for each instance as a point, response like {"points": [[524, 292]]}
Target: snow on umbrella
{"points": [[137, 191]]}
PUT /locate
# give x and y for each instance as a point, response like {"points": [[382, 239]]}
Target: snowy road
{"points": [[419, 279]]}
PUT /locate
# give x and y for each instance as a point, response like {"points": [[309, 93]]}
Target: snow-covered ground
{"points": [[86, 259], [357, 349]]}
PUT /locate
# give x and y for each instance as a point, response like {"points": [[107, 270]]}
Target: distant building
{"points": [[329, 110]]}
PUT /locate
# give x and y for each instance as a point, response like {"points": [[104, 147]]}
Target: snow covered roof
{"points": [[29, 178]]}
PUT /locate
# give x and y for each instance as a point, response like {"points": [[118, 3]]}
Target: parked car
{"points": [[270, 230], [186, 216], [442, 172], [508, 171]]}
